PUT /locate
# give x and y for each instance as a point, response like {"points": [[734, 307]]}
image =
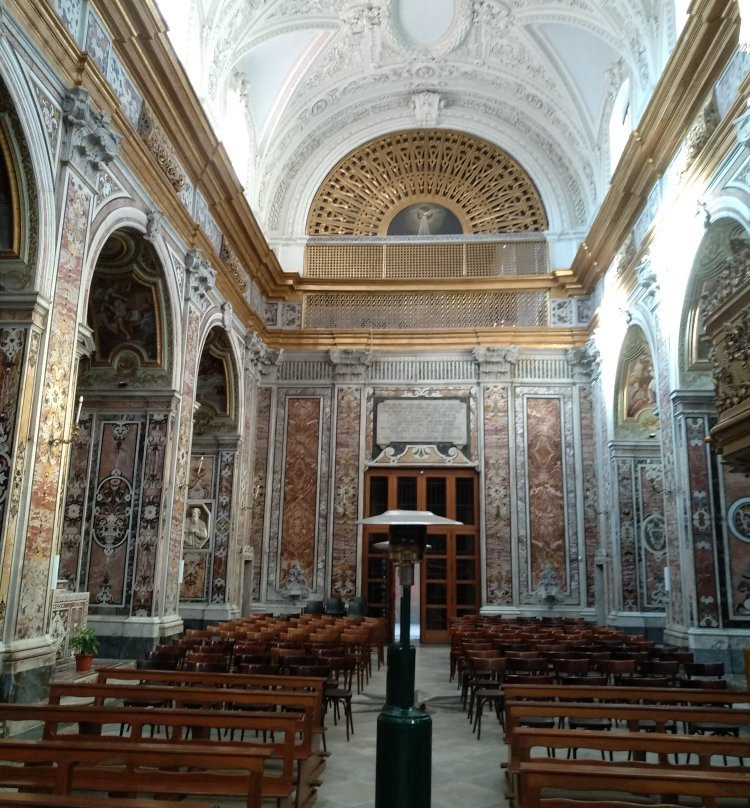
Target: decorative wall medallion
{"points": [[738, 519], [654, 534]]}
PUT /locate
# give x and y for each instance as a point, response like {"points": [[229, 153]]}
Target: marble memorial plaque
{"points": [[411, 420]]}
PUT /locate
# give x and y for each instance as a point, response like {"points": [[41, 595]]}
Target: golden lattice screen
{"points": [[484, 187]]}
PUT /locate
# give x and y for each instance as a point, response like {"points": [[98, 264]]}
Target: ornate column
{"points": [[496, 366], [88, 145], [349, 377], [200, 279], [261, 363]]}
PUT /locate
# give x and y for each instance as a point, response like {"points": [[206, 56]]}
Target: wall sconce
{"points": [[74, 430]]}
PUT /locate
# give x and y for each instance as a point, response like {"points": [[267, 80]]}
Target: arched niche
{"points": [[129, 318], [635, 408], [118, 475], [18, 202], [213, 463], [715, 250]]}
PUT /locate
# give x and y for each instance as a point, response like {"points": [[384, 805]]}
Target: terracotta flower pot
{"points": [[83, 662]]}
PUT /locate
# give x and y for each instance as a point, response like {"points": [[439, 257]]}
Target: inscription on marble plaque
{"points": [[409, 420]]}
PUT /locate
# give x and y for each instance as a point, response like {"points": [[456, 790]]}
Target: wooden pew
{"points": [[313, 684], [588, 780], [180, 726], [667, 749], [631, 714], [310, 763], [26, 799], [64, 766]]}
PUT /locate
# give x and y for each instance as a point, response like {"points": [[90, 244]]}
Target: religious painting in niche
{"points": [[123, 313], [425, 219], [639, 394], [6, 208], [211, 386]]}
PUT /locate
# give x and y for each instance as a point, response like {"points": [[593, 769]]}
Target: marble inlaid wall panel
{"points": [[546, 495], [703, 523], [76, 500], [590, 486], [346, 465], [642, 541], [545, 489], [652, 535], [115, 504], [627, 550], [222, 526], [59, 361], [299, 496], [300, 486], [12, 341], [676, 614], [497, 490], [259, 476], [150, 513], [737, 502]]}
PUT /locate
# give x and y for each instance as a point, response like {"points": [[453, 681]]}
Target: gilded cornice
{"points": [[422, 340], [707, 42]]}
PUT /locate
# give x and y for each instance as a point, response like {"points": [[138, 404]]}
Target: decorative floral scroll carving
{"points": [[232, 263], [88, 142], [161, 149]]}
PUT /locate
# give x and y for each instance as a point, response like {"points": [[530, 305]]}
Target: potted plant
{"points": [[84, 643]]}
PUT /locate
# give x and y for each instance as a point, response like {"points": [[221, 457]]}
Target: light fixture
{"points": [[403, 761]]}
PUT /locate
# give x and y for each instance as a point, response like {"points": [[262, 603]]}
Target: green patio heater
{"points": [[403, 764]]}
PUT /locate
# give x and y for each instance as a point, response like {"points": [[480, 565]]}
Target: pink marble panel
{"points": [[546, 500], [346, 492], [298, 520], [497, 489]]}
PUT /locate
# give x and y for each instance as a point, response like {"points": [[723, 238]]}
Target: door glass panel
{"points": [[465, 594], [377, 567], [437, 593], [437, 544], [376, 538], [465, 500], [464, 545], [378, 495], [436, 619], [437, 488], [465, 569], [436, 568], [406, 493]]}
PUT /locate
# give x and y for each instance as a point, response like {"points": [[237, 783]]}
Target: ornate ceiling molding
{"points": [[488, 189]]}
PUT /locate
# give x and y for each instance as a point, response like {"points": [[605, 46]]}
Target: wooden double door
{"points": [[449, 574]]}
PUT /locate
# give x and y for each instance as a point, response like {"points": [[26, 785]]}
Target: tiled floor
{"points": [[464, 771]]}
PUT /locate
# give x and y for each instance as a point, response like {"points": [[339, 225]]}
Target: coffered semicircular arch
{"points": [[489, 190]]}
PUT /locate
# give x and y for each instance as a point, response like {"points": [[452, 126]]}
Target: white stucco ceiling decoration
{"points": [[320, 77]]}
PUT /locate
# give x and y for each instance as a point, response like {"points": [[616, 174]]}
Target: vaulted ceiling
{"points": [[293, 86]]}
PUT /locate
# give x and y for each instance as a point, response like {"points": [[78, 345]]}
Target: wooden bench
{"points": [[310, 763], [313, 684], [166, 770], [180, 726], [667, 750], [660, 716], [585, 780], [28, 799]]}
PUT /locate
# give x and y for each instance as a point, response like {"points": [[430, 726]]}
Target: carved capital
{"points": [[585, 362], [742, 126], [88, 142], [154, 220], [648, 285], [349, 365], [495, 363], [85, 345], [161, 149], [260, 360], [201, 277]]}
